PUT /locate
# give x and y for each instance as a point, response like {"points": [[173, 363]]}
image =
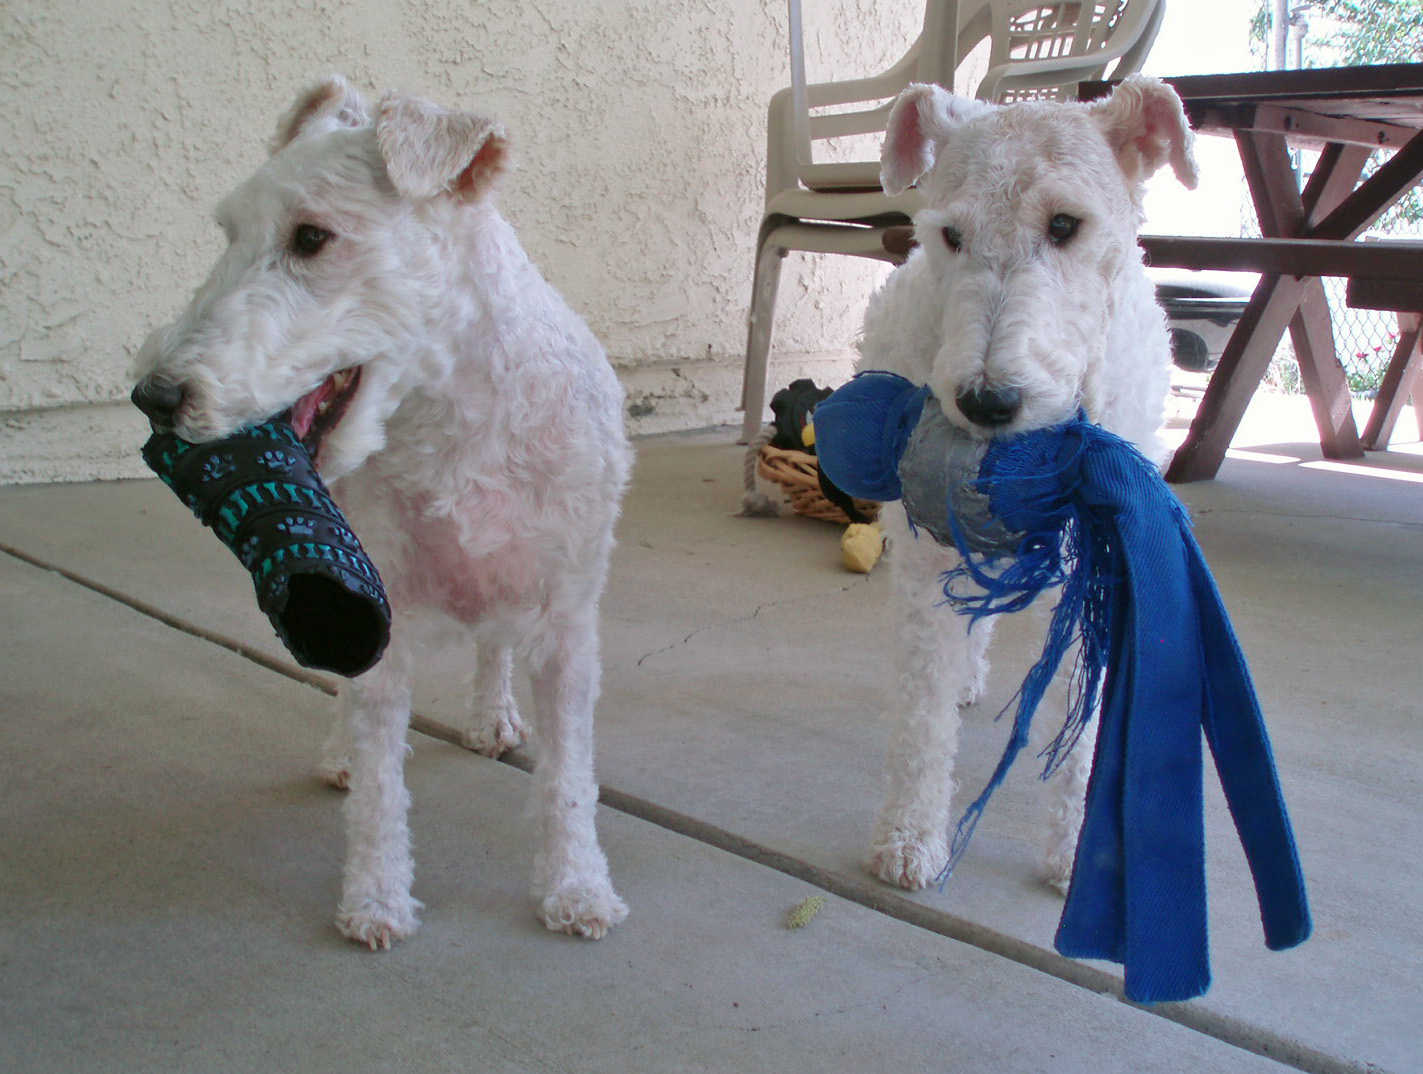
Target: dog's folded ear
{"points": [[919, 123], [329, 105], [1147, 127], [430, 151]]}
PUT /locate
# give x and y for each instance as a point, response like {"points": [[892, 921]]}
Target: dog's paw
{"points": [[496, 732], [335, 772], [581, 911], [1057, 866], [378, 923], [974, 688], [908, 862], [1066, 792]]}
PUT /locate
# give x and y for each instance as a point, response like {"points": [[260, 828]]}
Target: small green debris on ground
{"points": [[804, 910]]}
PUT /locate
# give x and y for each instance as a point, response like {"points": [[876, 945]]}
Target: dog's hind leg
{"points": [[494, 724], [334, 764], [570, 871], [938, 666], [376, 905]]}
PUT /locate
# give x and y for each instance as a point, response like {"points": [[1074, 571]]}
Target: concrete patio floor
{"points": [[169, 866]]}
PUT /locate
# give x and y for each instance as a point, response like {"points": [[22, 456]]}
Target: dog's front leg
{"points": [[1065, 791], [570, 871], [938, 666], [376, 906]]}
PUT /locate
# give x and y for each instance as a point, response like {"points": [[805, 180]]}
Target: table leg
{"points": [[1371, 198], [1323, 377], [1284, 211], [1335, 178], [1399, 381], [1279, 303], [1247, 355]]}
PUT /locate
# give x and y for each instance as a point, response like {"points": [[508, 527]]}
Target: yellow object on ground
{"points": [[861, 546], [804, 910]]}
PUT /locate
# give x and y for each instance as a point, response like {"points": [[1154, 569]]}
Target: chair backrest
{"points": [[1037, 48]]}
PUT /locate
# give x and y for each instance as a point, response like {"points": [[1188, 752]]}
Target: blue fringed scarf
{"points": [[1085, 512]]}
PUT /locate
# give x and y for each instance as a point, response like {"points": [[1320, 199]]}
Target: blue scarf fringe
{"points": [[1034, 494]]}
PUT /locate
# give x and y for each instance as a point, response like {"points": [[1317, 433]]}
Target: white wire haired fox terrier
{"points": [[1025, 300], [473, 427]]}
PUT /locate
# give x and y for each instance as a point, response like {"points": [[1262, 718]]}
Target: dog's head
{"points": [[1029, 227], [338, 248]]}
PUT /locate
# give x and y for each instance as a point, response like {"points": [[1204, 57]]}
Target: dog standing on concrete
{"points": [[473, 428], [1026, 300]]}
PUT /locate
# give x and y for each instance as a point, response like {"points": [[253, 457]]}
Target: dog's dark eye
{"points": [[308, 239], [953, 239], [1061, 228]]}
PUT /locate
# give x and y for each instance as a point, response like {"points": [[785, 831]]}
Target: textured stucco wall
{"points": [[639, 132]]}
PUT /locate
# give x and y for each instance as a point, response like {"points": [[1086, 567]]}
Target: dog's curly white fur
{"points": [[1025, 300], [482, 457]]}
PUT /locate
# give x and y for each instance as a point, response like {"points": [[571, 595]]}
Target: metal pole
{"points": [[1299, 27], [1279, 34]]}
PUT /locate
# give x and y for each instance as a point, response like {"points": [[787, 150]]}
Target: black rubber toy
{"points": [[259, 491]]}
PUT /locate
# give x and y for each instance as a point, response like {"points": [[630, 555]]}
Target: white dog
{"points": [[475, 427], [1025, 300]]}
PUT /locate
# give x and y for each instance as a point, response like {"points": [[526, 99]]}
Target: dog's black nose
{"points": [[989, 406], [158, 399]]}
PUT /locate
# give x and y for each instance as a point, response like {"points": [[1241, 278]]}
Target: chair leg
{"points": [[764, 284], [1399, 380]]}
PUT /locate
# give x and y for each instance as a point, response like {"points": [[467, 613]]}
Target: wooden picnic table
{"points": [[1346, 113]]}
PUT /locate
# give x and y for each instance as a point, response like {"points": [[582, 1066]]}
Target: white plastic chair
{"points": [[1036, 49]]}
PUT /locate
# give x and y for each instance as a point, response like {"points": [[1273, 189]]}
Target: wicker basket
{"points": [[799, 474]]}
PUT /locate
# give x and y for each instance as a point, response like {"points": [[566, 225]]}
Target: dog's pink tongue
{"points": [[304, 409]]}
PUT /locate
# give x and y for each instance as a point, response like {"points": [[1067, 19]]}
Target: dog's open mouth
{"points": [[315, 414]]}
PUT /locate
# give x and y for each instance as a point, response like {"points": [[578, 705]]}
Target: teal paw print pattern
{"points": [[277, 461], [216, 467]]}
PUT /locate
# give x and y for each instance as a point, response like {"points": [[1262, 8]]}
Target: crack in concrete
{"points": [[755, 612]]}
